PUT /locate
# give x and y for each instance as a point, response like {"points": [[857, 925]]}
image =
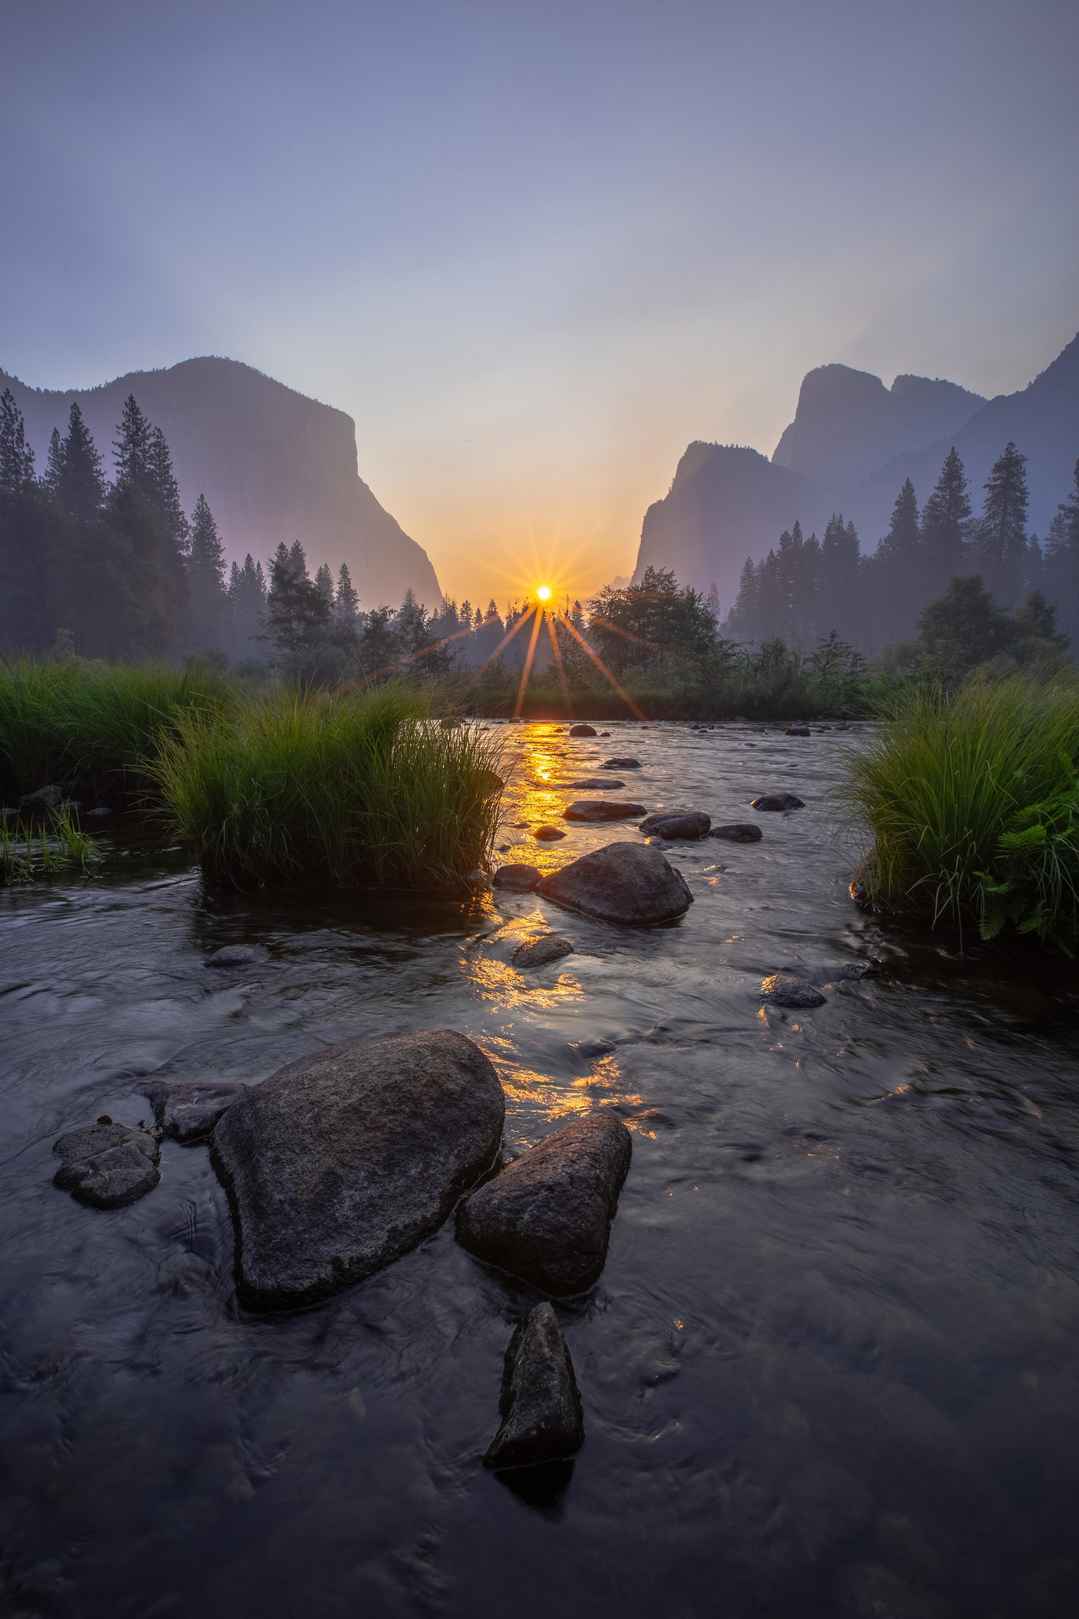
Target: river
{"points": [[830, 1367]]}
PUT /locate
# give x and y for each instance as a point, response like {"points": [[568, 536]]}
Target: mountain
{"points": [[852, 443], [273, 464]]}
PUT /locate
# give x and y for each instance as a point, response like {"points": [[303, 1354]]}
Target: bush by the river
{"points": [[973, 802]]}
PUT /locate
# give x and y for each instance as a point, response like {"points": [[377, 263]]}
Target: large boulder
{"points": [[188, 1110], [547, 1217], [540, 1406], [522, 879], [602, 809], [344, 1160], [107, 1164], [582, 730], [628, 883], [676, 824]]}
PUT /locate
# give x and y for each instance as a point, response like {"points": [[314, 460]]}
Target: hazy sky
{"points": [[535, 249]]}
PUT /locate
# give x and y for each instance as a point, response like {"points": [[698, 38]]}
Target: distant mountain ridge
{"points": [[274, 465], [850, 446]]}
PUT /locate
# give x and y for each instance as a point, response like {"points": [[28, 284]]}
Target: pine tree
{"points": [[206, 581], [346, 602], [166, 495], [16, 455], [898, 591], [132, 449], [24, 614], [81, 485], [946, 526], [324, 584], [1002, 532], [840, 582], [1062, 563], [298, 616], [247, 611], [54, 468], [148, 534]]}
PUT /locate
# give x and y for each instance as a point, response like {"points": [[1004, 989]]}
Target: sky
{"points": [[536, 249]]}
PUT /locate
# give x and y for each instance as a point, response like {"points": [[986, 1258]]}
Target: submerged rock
{"points": [[238, 955], [798, 730], [780, 802], [602, 809], [548, 834], [538, 952], [540, 1406], [737, 832], [598, 784], [42, 801], [621, 764], [343, 1161], [546, 1218], [107, 1164], [582, 730], [676, 824], [520, 878], [187, 1110], [628, 883], [789, 989]]}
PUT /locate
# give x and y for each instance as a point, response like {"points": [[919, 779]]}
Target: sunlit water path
{"points": [[830, 1366]]}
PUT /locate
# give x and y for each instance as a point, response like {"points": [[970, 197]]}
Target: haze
{"points": [[535, 250]]}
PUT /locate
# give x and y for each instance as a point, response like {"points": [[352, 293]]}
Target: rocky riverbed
{"points": [[821, 1348]]}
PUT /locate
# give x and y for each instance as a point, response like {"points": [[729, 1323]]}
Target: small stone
{"points": [[787, 989], [238, 955], [676, 824], [602, 809], [582, 730], [737, 832], [780, 802], [540, 1406], [520, 878], [595, 784], [538, 952], [188, 1110], [548, 834], [798, 730], [100, 812], [621, 764], [106, 1164]]}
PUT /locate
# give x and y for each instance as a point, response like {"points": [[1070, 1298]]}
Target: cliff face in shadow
{"points": [[273, 464]]}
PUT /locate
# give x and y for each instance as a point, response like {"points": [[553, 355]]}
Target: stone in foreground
{"points": [[737, 832], [538, 952], [582, 730], [107, 1165], [621, 764], [780, 802], [540, 1406], [788, 989], [547, 1217], [676, 824], [628, 883], [521, 879], [548, 834], [343, 1161], [602, 809], [188, 1110]]}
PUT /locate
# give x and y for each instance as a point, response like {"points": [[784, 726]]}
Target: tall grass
{"points": [[973, 803], [354, 788], [28, 851], [91, 725]]}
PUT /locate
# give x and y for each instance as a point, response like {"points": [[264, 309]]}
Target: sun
{"points": [[543, 593]]}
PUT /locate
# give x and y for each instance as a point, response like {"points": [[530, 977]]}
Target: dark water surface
{"points": [[832, 1365]]}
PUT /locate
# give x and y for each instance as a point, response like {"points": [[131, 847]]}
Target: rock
{"points": [[521, 878], [582, 730], [621, 764], [107, 1164], [546, 1218], [538, 952], [787, 989], [628, 883], [602, 809], [187, 1110], [548, 834], [343, 1161], [238, 955], [602, 784], [449, 724], [477, 877], [781, 802], [100, 812], [42, 801], [540, 1407], [798, 730], [676, 824], [737, 832]]}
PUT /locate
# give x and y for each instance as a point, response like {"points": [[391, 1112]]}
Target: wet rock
{"points": [[477, 878], [540, 1407], [582, 730], [548, 834], [187, 1110], [238, 955], [797, 730], [520, 878], [100, 812], [628, 883], [538, 952], [737, 832], [42, 801], [602, 809], [621, 764], [343, 1161], [546, 1218], [600, 784], [676, 824], [788, 989], [780, 802], [107, 1164]]}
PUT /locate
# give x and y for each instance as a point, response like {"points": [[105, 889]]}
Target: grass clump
{"points": [[28, 851], [352, 788], [973, 802]]}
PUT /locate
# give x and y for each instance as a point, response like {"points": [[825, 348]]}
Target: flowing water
{"points": [[830, 1367]]}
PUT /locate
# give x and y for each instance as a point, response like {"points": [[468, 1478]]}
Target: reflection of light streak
{"points": [[556, 652], [602, 667], [526, 672]]}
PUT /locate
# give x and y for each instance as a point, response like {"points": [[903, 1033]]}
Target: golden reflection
{"points": [[506, 986]]}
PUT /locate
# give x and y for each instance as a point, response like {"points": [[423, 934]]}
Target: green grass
{"points": [[28, 851], [90, 726], [351, 788], [973, 803]]}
